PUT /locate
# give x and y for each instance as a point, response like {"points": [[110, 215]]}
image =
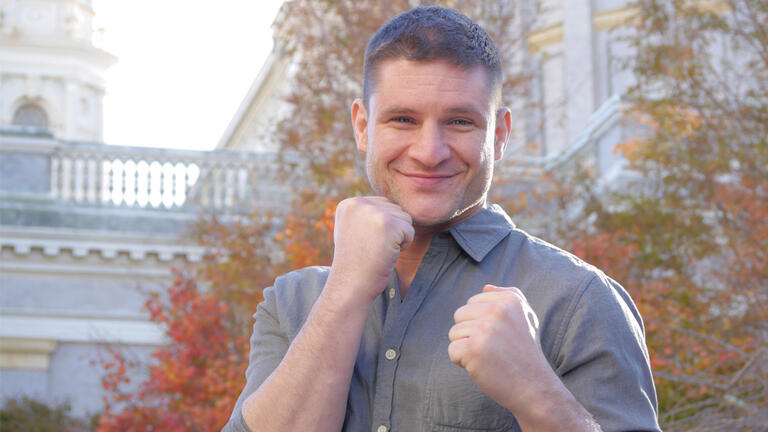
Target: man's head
{"points": [[430, 34], [431, 124]]}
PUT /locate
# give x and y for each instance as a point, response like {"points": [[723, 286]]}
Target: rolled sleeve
{"points": [[268, 347], [603, 360]]}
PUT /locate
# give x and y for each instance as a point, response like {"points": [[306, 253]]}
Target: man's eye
{"points": [[461, 122], [402, 120]]}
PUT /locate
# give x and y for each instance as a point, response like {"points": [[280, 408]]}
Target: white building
{"points": [[87, 229]]}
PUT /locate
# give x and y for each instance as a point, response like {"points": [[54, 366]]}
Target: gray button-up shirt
{"points": [[403, 380]]}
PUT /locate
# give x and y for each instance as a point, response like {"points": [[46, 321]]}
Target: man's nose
{"points": [[430, 149]]}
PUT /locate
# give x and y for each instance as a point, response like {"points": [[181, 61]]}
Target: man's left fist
{"points": [[494, 339]]}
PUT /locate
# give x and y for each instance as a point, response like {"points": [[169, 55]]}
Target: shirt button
{"points": [[391, 293], [382, 428], [390, 355]]}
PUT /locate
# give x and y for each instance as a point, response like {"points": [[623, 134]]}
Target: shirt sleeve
{"points": [[602, 358], [268, 347]]}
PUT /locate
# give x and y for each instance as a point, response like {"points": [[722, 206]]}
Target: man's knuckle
{"points": [[374, 218], [483, 327], [497, 310]]}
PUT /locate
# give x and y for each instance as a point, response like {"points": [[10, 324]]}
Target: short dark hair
{"points": [[429, 34]]}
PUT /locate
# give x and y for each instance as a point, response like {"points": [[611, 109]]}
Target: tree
{"points": [[27, 414], [690, 241], [702, 95], [194, 380]]}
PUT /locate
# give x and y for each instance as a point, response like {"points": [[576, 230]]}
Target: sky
{"points": [[183, 67]]}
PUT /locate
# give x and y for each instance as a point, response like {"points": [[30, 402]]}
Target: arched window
{"points": [[30, 115]]}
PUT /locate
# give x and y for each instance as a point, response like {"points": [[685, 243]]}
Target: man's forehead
{"points": [[399, 66], [398, 79]]}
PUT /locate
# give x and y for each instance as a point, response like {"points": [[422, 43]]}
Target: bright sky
{"points": [[183, 67]]}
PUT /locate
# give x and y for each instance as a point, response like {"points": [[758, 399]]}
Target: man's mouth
{"points": [[429, 180]]}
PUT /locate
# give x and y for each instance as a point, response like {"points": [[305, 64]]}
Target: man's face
{"points": [[431, 135]]}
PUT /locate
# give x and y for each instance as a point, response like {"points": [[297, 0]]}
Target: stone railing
{"points": [[33, 163]]}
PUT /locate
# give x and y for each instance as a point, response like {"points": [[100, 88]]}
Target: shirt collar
{"points": [[482, 232]]}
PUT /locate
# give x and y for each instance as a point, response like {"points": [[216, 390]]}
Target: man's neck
{"points": [[409, 260]]}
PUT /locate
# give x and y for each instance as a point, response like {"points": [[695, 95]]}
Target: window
{"points": [[30, 115]]}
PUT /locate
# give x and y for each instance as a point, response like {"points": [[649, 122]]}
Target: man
{"points": [[437, 314]]}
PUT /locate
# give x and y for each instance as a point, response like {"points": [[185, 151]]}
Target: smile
{"points": [[429, 180]]}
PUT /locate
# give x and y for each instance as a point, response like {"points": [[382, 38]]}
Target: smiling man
{"points": [[437, 313]]}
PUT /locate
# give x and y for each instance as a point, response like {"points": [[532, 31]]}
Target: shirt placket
{"points": [[397, 318]]}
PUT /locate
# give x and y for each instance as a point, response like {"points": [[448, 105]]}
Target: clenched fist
{"points": [[494, 339], [369, 234]]}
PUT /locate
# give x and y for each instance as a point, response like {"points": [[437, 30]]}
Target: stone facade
{"points": [[86, 229], [576, 55]]}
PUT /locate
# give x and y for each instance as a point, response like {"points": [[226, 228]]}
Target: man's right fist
{"points": [[369, 234]]}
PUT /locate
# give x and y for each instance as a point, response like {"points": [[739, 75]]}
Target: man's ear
{"points": [[360, 124], [502, 132]]}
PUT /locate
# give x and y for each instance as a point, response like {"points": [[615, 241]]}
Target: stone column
{"points": [[579, 65]]}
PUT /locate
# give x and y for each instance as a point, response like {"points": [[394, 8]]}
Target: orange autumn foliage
{"points": [[193, 381]]}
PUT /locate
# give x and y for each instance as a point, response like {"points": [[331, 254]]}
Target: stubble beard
{"points": [[457, 208]]}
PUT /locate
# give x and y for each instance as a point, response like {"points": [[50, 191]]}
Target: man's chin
{"points": [[426, 220], [431, 213], [429, 218]]}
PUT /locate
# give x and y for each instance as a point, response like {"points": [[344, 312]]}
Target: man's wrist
{"points": [[347, 290], [552, 407]]}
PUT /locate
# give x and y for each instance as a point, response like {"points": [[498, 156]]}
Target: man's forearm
{"points": [[309, 389], [555, 409]]}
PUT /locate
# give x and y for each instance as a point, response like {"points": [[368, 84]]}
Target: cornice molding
{"points": [[108, 246], [541, 38], [717, 6], [611, 19], [80, 329], [116, 269], [26, 354]]}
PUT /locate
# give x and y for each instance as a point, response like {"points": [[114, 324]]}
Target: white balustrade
{"points": [[96, 174]]}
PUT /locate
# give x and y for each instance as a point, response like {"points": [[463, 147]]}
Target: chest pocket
{"points": [[455, 404]]}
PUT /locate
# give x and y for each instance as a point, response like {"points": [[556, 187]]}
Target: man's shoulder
{"points": [[291, 297], [538, 255], [542, 257], [553, 275], [300, 285], [303, 278], [304, 283]]}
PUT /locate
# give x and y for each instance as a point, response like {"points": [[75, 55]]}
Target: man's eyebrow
{"points": [[465, 109], [396, 110]]}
